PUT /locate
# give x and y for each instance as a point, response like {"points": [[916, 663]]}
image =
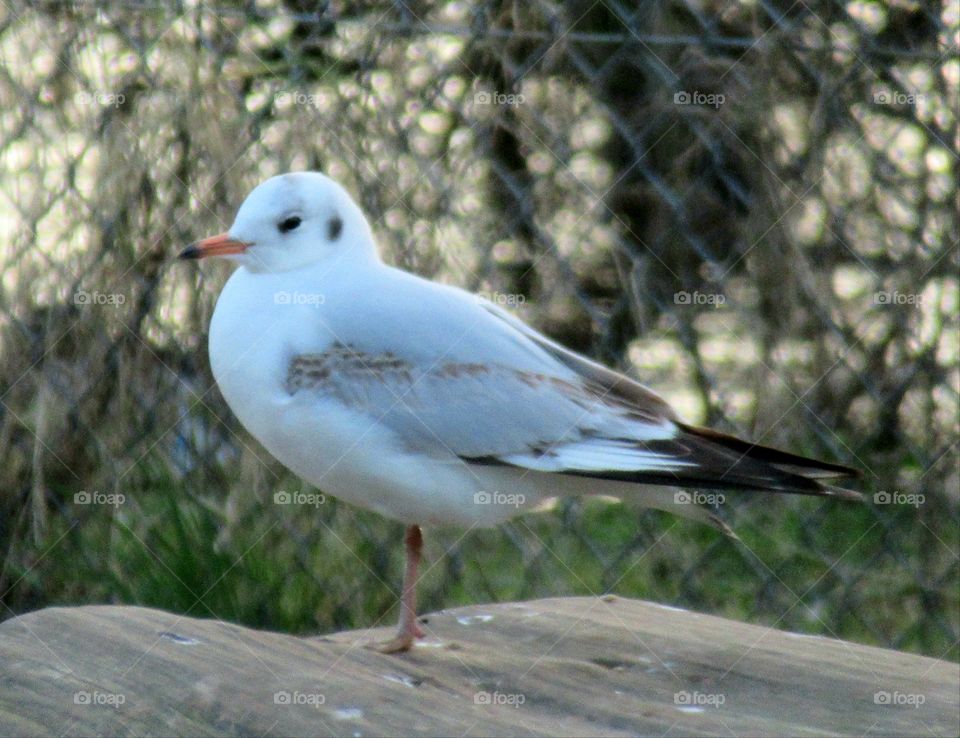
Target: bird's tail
{"points": [[763, 468], [717, 461]]}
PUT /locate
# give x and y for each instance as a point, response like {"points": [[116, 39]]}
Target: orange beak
{"points": [[221, 245]]}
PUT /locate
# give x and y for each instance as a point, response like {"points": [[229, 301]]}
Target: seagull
{"points": [[431, 405]]}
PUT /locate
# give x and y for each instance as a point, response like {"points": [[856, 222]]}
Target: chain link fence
{"points": [[751, 207]]}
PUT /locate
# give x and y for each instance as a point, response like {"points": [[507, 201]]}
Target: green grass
{"points": [[838, 569]]}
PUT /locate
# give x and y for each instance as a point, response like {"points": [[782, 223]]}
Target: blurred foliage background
{"points": [[750, 206]]}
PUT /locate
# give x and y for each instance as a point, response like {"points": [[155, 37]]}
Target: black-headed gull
{"points": [[431, 405]]}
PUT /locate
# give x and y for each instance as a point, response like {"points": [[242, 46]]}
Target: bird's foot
{"points": [[400, 643], [403, 641]]}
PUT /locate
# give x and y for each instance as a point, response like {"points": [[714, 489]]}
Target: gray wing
{"points": [[487, 411], [561, 413]]}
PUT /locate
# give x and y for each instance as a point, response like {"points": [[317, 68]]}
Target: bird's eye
{"points": [[288, 224]]}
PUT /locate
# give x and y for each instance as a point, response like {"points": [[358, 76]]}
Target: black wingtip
{"points": [[786, 461]]}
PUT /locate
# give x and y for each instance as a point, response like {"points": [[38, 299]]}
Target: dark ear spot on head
{"points": [[334, 228]]}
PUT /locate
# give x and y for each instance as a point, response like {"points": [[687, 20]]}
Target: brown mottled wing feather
{"points": [[644, 401]]}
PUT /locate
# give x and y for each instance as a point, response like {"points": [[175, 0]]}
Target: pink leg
{"points": [[413, 541], [408, 630]]}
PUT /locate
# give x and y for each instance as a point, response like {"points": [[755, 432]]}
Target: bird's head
{"points": [[290, 221]]}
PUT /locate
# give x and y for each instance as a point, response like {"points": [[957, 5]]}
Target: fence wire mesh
{"points": [[752, 207]]}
